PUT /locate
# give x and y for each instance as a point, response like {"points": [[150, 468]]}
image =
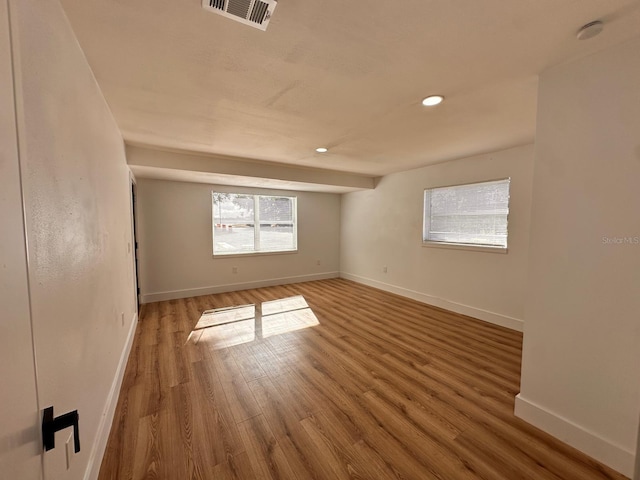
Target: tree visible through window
{"points": [[473, 214], [253, 223]]}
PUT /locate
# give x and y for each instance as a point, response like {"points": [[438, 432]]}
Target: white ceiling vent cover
{"points": [[255, 13]]}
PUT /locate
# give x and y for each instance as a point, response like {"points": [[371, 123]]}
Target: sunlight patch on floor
{"points": [[230, 326]]}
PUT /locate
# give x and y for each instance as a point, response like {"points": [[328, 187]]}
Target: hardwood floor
{"points": [[326, 380]]}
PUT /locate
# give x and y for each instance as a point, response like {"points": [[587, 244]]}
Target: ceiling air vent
{"points": [[255, 13]]}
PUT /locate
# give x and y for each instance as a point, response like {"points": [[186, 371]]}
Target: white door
{"points": [[20, 448], [636, 476], [74, 300]]}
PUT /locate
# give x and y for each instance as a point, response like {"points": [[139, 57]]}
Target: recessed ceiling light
{"points": [[590, 30], [321, 150], [432, 100]]}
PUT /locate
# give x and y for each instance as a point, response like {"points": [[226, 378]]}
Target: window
{"points": [[245, 224], [475, 214]]}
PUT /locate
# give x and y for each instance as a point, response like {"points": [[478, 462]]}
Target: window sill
{"points": [[252, 254], [464, 246]]}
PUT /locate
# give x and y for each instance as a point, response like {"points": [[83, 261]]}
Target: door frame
{"points": [[133, 196]]}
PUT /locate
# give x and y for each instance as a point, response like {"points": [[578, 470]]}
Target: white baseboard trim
{"points": [[104, 428], [586, 441], [232, 287], [480, 314]]}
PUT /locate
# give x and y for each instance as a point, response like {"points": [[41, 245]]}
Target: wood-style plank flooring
{"points": [[326, 380]]}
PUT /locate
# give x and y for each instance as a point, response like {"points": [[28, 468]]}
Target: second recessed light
{"points": [[321, 150], [432, 100]]}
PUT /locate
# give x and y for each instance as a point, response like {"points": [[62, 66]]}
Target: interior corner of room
{"points": [[75, 265]]}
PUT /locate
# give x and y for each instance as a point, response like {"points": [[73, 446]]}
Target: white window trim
{"points": [[463, 246], [254, 254], [256, 217]]}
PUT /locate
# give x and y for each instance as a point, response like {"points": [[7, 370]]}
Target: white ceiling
{"points": [[348, 75]]}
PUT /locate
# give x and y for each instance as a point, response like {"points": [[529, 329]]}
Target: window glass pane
{"points": [[233, 223], [253, 223], [475, 214], [277, 229]]}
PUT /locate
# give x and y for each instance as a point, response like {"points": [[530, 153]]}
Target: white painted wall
{"points": [[383, 227], [175, 237], [76, 196], [19, 438], [581, 359]]}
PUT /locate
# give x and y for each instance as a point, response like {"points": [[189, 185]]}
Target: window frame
{"points": [[478, 247], [256, 223]]}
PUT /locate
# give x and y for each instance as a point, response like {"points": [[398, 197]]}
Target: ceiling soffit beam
{"points": [[215, 164]]}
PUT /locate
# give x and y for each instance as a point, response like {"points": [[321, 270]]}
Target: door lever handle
{"points": [[51, 425]]}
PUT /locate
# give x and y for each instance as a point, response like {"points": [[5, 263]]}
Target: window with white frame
{"points": [[475, 214], [245, 224]]}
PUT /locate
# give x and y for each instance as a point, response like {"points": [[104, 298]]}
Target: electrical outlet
{"points": [[122, 318], [318, 262], [234, 269], [68, 447], [384, 269]]}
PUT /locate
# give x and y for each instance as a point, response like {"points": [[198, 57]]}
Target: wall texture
{"points": [[383, 227], [78, 228], [175, 236], [581, 359]]}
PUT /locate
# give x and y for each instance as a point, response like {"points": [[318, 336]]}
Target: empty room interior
{"points": [[262, 239]]}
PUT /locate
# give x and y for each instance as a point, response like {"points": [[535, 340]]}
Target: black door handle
{"points": [[51, 425]]}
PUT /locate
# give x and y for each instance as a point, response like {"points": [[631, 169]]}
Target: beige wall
{"points": [[76, 196], [581, 359], [176, 259], [383, 227]]}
